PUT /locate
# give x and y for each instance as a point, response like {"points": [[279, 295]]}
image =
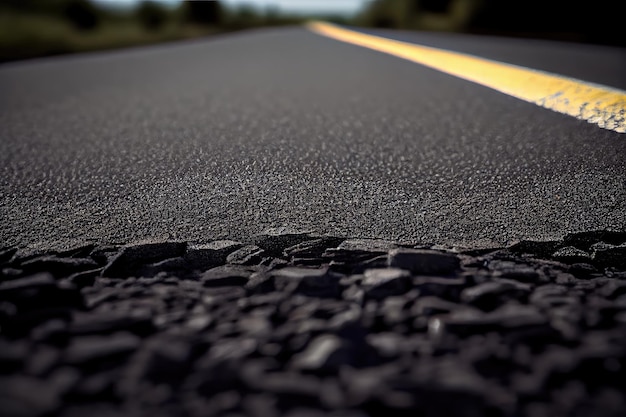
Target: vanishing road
{"points": [[226, 137]]}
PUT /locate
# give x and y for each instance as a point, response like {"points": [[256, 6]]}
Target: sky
{"points": [[288, 6]]}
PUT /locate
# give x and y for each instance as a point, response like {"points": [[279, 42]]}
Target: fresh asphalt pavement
{"points": [[226, 137]]}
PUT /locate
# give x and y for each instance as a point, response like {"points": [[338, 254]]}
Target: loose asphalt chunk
{"points": [[297, 324]]}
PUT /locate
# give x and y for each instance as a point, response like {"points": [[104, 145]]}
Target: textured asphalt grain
{"points": [[227, 137]]}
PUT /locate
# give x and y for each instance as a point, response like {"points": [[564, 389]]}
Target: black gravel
{"points": [[297, 324]]}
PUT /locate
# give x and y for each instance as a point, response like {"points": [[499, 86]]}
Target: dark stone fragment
{"points": [[611, 272], [522, 274], [598, 311], [198, 322], [549, 296], [514, 316], [348, 325], [353, 252], [395, 312], [52, 330], [490, 295], [423, 261], [255, 326], [357, 255], [312, 249], [86, 349], [364, 385], [58, 266], [452, 387], [462, 323], [479, 252], [610, 256], [85, 278], [431, 306], [23, 396], [582, 270], [306, 262], [247, 255], [131, 257], [103, 255], [11, 287], [571, 255], [10, 273], [23, 323], [93, 300], [326, 351], [311, 282], [260, 405], [7, 310], [12, 355], [354, 294], [253, 371], [613, 289], [94, 387], [565, 279], [292, 389], [540, 249], [77, 250], [584, 240], [171, 265], [221, 295], [28, 252], [227, 275], [163, 360], [517, 324], [365, 245], [373, 263], [381, 283], [138, 322], [262, 301], [275, 241], [597, 362], [209, 255], [42, 360], [6, 254], [388, 345], [103, 408], [39, 291], [305, 412], [447, 288], [274, 263]]}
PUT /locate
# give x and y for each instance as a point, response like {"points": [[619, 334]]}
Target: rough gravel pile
{"points": [[295, 324]]}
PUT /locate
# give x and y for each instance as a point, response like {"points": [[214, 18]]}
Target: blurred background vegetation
{"points": [[32, 28], [597, 21]]}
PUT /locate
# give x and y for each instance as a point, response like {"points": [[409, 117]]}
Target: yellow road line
{"points": [[603, 106]]}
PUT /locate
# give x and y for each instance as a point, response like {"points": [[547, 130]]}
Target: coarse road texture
{"points": [[227, 137], [191, 143]]}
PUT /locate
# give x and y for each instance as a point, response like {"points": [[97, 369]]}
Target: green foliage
{"points": [[24, 36], [552, 19], [203, 12], [388, 14], [82, 14], [152, 15]]}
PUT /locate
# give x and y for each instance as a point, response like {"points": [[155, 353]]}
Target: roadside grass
{"points": [[24, 36]]}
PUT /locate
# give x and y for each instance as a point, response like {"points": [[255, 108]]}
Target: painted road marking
{"points": [[597, 104]]}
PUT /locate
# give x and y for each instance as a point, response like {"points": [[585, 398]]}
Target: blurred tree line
{"points": [[87, 15], [30, 28], [598, 21]]}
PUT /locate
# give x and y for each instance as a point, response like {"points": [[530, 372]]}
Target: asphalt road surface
{"points": [[282, 127]]}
